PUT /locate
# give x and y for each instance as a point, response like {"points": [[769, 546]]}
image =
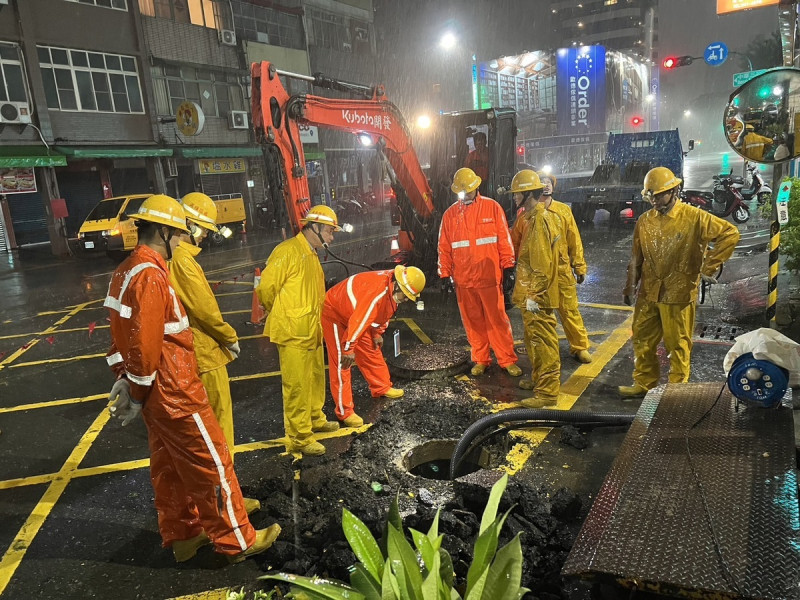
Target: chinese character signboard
{"points": [[17, 181], [220, 166], [729, 6], [581, 91]]}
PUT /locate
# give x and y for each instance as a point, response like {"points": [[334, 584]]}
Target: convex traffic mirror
{"points": [[761, 120]]}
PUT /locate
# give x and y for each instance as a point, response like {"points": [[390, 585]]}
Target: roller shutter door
{"points": [[28, 218]]}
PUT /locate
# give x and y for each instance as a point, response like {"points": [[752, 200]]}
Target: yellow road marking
{"points": [[233, 294], [561, 336], [57, 360], [571, 390], [606, 306], [72, 330], [412, 325], [15, 355], [16, 551], [49, 403], [231, 282], [218, 594], [236, 312], [255, 376]]}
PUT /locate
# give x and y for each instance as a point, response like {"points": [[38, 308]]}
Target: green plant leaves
{"points": [[363, 544], [490, 512], [505, 574], [364, 582], [318, 587], [404, 564]]}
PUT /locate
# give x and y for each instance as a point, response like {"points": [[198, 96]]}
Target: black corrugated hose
{"points": [[536, 417]]}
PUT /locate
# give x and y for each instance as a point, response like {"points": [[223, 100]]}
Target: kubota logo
{"points": [[353, 117]]}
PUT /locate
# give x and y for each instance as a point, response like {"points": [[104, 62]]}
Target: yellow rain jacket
{"points": [[671, 251], [211, 333], [292, 290], [537, 266]]}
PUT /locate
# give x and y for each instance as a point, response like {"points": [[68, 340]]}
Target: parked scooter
{"points": [[758, 188], [725, 200]]}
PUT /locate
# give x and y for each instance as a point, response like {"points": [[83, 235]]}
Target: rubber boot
{"points": [[186, 549], [539, 402], [514, 370], [632, 391], [353, 421], [313, 448], [525, 384], [582, 356], [393, 393], [251, 505], [264, 539], [478, 370], [327, 428]]}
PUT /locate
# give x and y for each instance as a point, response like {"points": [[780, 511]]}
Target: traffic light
{"points": [[521, 151], [673, 62], [636, 121]]}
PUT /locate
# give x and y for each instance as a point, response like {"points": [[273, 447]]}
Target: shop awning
{"points": [[220, 152], [30, 156], [86, 152]]}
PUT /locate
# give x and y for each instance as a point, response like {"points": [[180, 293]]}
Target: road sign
{"points": [[782, 202], [716, 53], [742, 78]]}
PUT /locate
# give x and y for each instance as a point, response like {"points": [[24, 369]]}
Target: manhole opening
{"points": [[431, 460], [717, 332]]}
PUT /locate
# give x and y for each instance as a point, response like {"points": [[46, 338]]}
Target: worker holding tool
{"points": [[675, 245], [354, 318], [292, 290], [571, 264], [197, 495], [537, 288], [474, 248]]}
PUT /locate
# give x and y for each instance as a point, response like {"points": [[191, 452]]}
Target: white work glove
{"points": [[234, 349], [708, 279], [532, 306], [124, 407]]}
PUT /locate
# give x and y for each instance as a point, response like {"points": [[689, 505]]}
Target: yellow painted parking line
{"points": [[50, 403], [236, 312], [22, 541], [254, 376], [218, 594], [232, 294], [26, 481], [563, 337], [71, 330], [607, 306], [15, 355], [412, 325], [231, 282], [47, 313], [571, 390], [57, 360]]}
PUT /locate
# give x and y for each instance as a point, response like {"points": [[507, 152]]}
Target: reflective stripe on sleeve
{"points": [[486, 240], [114, 359], [143, 380]]}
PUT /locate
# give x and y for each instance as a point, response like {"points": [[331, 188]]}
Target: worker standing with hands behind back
{"points": [[292, 290], [671, 253], [474, 248]]}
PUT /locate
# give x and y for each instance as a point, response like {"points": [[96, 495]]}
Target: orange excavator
{"points": [[421, 198]]}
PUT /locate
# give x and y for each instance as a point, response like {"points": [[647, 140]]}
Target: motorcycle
{"points": [[758, 189], [725, 200]]}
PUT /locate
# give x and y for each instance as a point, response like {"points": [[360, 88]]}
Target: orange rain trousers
{"points": [[483, 313]]}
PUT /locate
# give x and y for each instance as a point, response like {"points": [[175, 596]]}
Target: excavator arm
{"points": [[276, 118]]}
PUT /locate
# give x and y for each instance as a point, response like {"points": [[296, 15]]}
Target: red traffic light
{"points": [[670, 62], [521, 150], [636, 121], [673, 62]]}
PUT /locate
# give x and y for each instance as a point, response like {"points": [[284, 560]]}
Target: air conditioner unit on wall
{"points": [[227, 37], [15, 112], [237, 119], [171, 167]]}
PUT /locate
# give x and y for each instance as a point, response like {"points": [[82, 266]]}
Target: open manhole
{"points": [[717, 332], [431, 460], [427, 361]]}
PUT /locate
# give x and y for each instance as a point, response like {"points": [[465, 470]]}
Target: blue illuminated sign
{"points": [[581, 91], [716, 53]]}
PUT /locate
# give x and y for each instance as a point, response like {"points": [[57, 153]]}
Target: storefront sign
{"points": [[729, 6], [190, 118], [17, 181], [217, 166], [309, 134], [581, 90]]}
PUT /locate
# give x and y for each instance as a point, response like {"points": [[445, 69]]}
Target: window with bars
{"points": [[216, 92], [267, 25], [118, 4], [77, 80], [331, 31], [12, 83], [196, 12]]}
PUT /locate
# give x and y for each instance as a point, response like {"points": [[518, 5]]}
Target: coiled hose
{"points": [[535, 417]]}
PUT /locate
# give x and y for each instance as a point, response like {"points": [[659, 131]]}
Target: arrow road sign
{"points": [[716, 53]]}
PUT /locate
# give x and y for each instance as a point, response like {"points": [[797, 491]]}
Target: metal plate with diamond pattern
{"points": [[701, 501]]}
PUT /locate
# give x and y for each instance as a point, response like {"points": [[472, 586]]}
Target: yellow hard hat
{"points": [[464, 181], [749, 127], [321, 214], [201, 210], [163, 210], [525, 181], [410, 279], [659, 180], [550, 176]]}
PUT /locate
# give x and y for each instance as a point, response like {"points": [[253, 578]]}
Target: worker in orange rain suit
{"points": [[292, 290], [354, 318], [671, 253], [478, 159], [197, 495], [571, 264], [474, 248]]}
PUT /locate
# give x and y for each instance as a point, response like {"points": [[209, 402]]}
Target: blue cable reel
{"points": [[758, 382]]}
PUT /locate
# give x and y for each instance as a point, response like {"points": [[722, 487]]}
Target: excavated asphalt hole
{"points": [[431, 460]]}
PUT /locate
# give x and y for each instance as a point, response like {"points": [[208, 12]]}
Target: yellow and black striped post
{"points": [[772, 286]]}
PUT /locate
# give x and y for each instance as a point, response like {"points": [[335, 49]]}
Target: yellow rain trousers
{"points": [[669, 253], [537, 280], [570, 263], [211, 333], [292, 290]]}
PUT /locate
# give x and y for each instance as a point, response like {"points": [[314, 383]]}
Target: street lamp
{"points": [[448, 40], [687, 113], [423, 121]]}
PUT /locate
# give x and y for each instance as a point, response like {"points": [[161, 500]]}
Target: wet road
{"points": [[75, 497]]}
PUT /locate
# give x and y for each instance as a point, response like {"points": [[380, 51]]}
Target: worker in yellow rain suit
{"points": [[754, 145], [571, 268], [671, 253], [292, 290], [215, 341], [536, 292]]}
